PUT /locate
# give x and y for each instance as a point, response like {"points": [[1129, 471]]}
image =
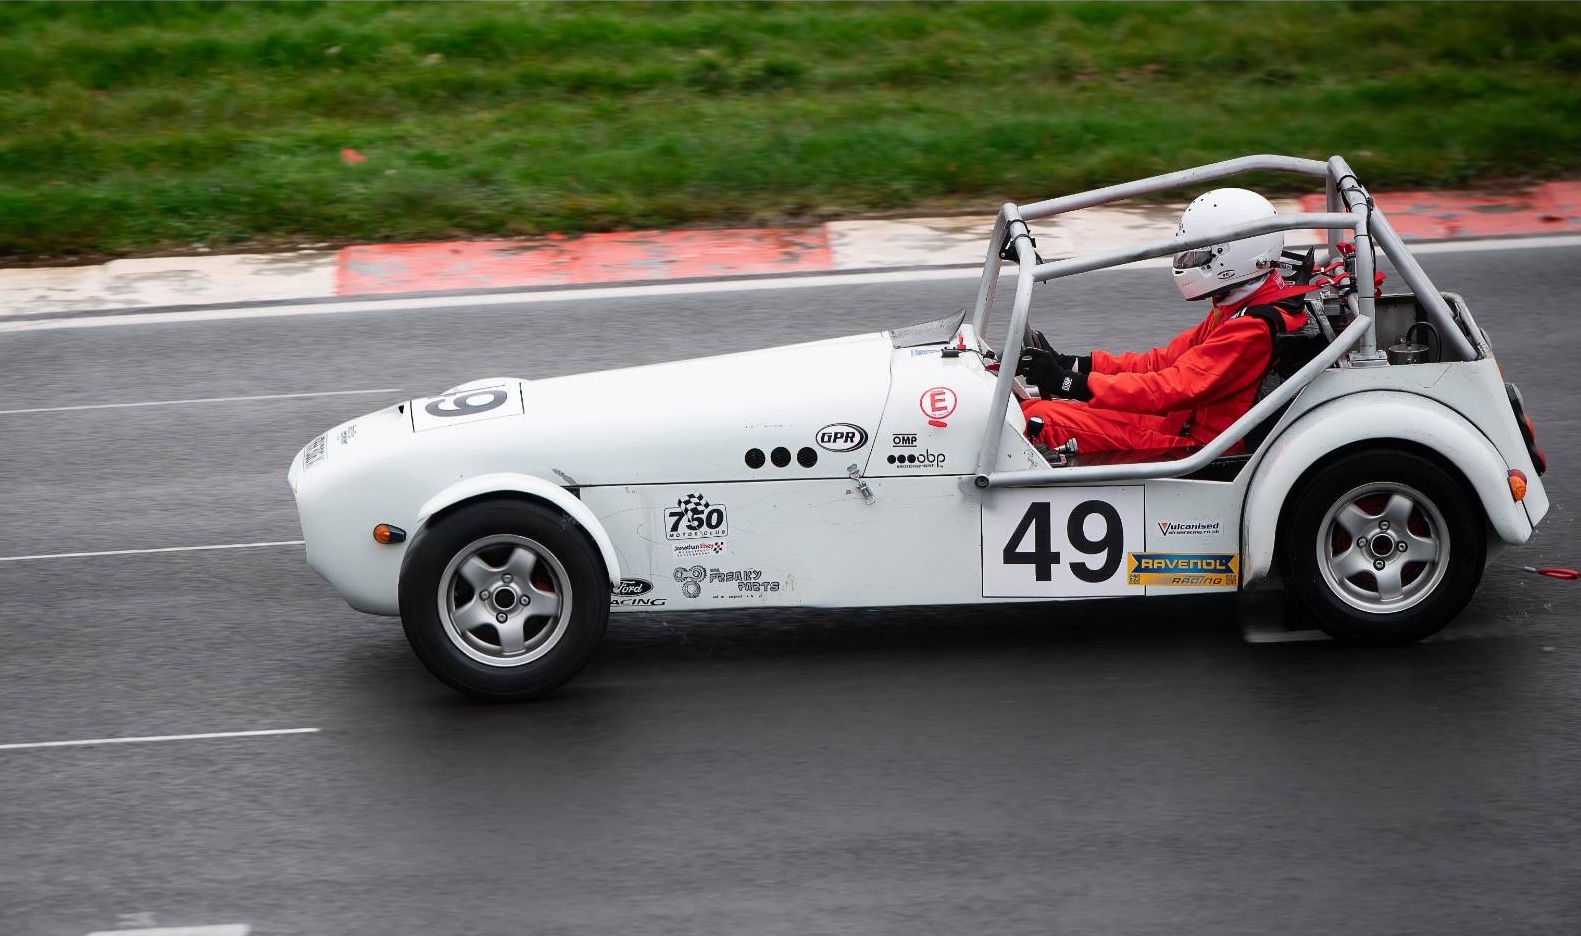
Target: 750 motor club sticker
{"points": [[696, 527]]}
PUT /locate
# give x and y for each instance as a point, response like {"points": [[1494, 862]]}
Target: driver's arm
{"points": [[1235, 354], [1141, 362]]}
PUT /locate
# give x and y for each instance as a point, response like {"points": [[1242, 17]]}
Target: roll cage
{"points": [[1349, 208]]}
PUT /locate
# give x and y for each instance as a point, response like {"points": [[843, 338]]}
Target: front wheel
{"points": [[1383, 547], [504, 600]]}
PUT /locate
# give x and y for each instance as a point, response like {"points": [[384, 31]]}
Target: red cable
{"points": [[1554, 573]]}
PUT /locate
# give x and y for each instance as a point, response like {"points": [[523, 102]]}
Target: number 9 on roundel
{"points": [[1060, 543]]}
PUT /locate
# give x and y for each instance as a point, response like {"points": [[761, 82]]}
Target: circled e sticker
{"points": [[937, 402]]}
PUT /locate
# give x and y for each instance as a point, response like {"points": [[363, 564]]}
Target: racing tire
{"points": [[1383, 546], [504, 600]]}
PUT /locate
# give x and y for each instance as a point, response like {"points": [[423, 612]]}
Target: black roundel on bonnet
{"points": [[755, 458], [806, 456], [780, 456]]}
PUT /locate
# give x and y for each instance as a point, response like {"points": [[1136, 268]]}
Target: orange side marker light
{"points": [[1517, 484], [388, 535]]}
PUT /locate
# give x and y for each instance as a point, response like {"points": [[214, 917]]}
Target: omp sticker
{"points": [[466, 406], [1193, 570]]}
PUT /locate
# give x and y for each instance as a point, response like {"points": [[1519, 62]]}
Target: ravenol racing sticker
{"points": [[1212, 570]]}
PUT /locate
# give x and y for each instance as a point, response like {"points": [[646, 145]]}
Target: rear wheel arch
{"points": [[1341, 426], [1378, 445]]}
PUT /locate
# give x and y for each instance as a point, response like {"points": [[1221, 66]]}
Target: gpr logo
{"points": [[903, 440], [926, 458], [842, 437], [937, 402]]}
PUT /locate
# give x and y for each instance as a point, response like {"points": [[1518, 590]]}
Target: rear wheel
{"points": [[504, 599], [1383, 546]]}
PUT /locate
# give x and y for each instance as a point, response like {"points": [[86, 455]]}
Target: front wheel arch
{"points": [[533, 490], [519, 496]]}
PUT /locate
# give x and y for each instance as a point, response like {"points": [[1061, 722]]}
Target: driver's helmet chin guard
{"points": [[1205, 271]]}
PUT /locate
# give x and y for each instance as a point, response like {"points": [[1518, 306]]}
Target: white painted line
{"points": [[152, 738], [494, 299], [218, 399], [1491, 244], [222, 929], [145, 552], [1272, 636]]}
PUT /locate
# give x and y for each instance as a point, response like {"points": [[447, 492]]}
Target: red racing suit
{"points": [[1183, 394]]}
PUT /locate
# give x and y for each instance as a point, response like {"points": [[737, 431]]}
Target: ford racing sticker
{"points": [[628, 594]]}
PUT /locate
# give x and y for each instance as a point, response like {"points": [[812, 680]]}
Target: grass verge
{"points": [[130, 128]]}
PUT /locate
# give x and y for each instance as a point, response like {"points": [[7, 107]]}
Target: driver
{"points": [[1192, 389]]}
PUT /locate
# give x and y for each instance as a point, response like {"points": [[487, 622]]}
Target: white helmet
{"points": [[1207, 270]]}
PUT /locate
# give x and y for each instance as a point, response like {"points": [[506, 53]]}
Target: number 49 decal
{"points": [[1068, 542]]}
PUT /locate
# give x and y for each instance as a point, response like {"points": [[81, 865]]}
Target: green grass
{"points": [[138, 128]]}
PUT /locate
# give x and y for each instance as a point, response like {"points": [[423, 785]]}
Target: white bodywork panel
{"points": [[793, 543]]}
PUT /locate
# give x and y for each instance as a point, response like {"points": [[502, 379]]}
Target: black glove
{"points": [[1054, 373], [1071, 362]]}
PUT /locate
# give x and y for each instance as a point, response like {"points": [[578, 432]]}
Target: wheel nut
{"points": [[1378, 565], [1401, 546], [526, 601], [1383, 525], [1361, 542], [506, 579], [501, 617], [483, 596]]}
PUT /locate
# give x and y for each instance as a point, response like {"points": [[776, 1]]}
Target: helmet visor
{"points": [[1187, 259]]}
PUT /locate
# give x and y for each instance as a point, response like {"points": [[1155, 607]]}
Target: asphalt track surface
{"points": [[1090, 768]]}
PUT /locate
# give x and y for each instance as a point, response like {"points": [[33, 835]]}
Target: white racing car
{"points": [[894, 469]]}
